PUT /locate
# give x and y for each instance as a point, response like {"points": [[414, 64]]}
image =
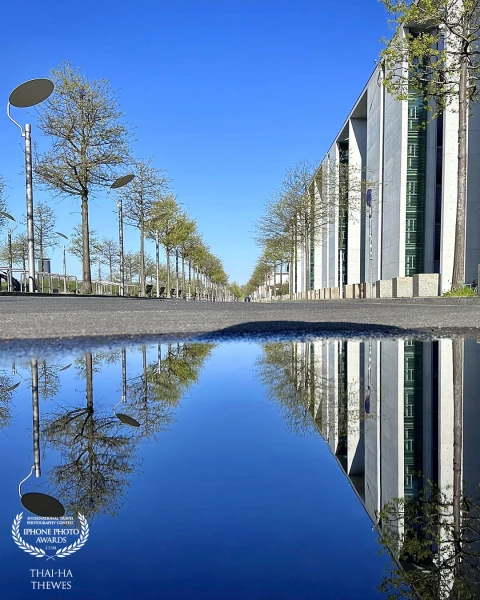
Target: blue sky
{"points": [[223, 94]]}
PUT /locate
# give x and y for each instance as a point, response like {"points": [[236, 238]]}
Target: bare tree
{"points": [[138, 201], [167, 221], [19, 251], [109, 252], [45, 236], [309, 198], [88, 142]]}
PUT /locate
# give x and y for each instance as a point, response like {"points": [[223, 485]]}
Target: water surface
{"points": [[237, 470]]}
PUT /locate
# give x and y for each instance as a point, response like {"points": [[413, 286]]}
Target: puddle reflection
{"points": [[117, 434], [401, 417]]}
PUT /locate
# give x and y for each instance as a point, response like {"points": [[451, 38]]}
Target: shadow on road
{"points": [[254, 330]]}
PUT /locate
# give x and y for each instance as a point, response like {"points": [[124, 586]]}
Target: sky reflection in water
{"points": [[234, 485]]}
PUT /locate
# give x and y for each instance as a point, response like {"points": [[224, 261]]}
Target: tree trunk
{"points": [[142, 261], [86, 267], [167, 252], [457, 346], [183, 273], [458, 277], [89, 380], [281, 278], [274, 278], [144, 378], [290, 275], [176, 273], [40, 248]]}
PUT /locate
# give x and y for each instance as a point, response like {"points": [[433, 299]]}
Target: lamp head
{"points": [[42, 505], [61, 235], [7, 215], [121, 181], [31, 92], [127, 420]]}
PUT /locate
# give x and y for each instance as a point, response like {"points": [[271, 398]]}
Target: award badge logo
{"points": [[49, 536]]}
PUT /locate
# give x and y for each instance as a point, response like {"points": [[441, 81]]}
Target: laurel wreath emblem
{"points": [[39, 552]]}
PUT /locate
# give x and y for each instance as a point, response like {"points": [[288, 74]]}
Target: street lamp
{"points": [[28, 94], [64, 262], [157, 262], [118, 183], [10, 255]]}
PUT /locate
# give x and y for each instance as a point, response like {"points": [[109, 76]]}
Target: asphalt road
{"points": [[47, 318]]}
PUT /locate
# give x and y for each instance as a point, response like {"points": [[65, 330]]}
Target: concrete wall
{"points": [[333, 228], [394, 188], [449, 197], [318, 254], [374, 172], [357, 131]]}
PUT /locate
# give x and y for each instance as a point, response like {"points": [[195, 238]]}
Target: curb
{"points": [[449, 301]]}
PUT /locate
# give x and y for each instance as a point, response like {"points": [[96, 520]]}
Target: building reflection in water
{"points": [[402, 419]]}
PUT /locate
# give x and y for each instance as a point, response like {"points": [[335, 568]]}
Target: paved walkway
{"points": [[48, 318]]}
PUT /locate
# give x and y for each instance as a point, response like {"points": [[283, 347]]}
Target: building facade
{"points": [[408, 172]]}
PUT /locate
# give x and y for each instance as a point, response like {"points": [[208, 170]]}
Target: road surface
{"points": [[32, 320]]}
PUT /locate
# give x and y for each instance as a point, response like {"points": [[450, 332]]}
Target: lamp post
{"points": [[27, 94], [118, 183], [157, 263], [64, 263], [10, 255]]}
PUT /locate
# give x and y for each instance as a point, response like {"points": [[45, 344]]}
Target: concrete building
{"points": [[273, 285], [411, 174]]}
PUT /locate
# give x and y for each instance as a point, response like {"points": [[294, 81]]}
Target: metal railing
{"points": [[16, 279]]}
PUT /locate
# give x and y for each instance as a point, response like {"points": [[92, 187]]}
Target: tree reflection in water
{"points": [[7, 388], [154, 395], [434, 558], [97, 454], [97, 450], [293, 380]]}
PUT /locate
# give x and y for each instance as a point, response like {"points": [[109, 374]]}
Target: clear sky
{"points": [[224, 95]]}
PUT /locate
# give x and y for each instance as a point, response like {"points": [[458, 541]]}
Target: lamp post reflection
{"points": [[36, 502], [126, 419]]}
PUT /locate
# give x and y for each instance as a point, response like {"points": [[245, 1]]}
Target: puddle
{"points": [[241, 470]]}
